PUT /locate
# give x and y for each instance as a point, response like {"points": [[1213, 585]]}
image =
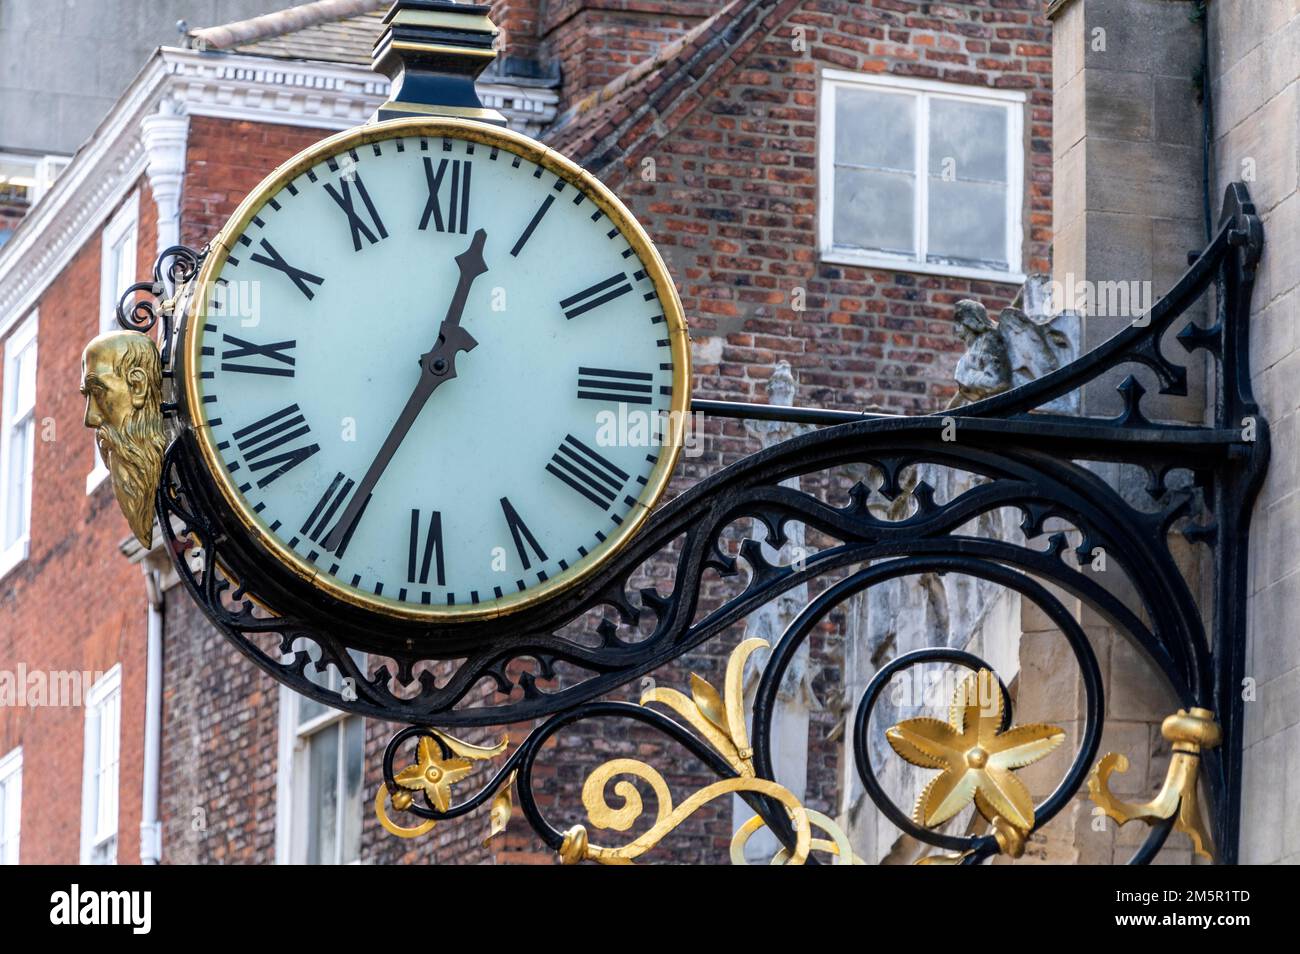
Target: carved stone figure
{"points": [[1016, 350], [121, 378], [985, 368]]}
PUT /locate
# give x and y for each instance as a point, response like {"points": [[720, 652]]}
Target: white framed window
{"points": [[99, 785], [11, 793], [321, 777], [25, 178], [17, 444], [921, 176], [117, 257]]}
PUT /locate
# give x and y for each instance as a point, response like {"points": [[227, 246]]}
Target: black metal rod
{"points": [[780, 412]]}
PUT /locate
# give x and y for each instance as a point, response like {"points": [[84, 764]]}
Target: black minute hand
{"points": [[437, 365]]}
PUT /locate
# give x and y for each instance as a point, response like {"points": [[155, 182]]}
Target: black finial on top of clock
{"points": [[433, 51]]}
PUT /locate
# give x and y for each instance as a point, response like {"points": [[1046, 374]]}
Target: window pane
{"points": [[16, 481], [968, 223], [121, 272], [17, 179], [968, 141], [9, 800], [124, 256], [323, 796], [873, 210], [106, 787], [875, 129], [354, 774], [309, 709], [24, 369]]}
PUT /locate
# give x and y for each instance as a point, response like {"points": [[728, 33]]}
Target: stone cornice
{"points": [[261, 89]]}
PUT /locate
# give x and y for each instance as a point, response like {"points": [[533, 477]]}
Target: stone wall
{"points": [[1254, 64]]}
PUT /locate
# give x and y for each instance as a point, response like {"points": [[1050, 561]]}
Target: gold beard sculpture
{"points": [[121, 376]]}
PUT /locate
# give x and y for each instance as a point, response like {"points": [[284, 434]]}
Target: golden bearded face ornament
{"points": [[121, 379]]}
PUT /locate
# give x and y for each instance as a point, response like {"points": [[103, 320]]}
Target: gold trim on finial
{"points": [[1190, 731]]}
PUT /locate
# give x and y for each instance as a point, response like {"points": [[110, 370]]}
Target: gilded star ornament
{"points": [[433, 774], [976, 758]]}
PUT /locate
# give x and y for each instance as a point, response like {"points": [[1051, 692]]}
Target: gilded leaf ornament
{"points": [[719, 719]]}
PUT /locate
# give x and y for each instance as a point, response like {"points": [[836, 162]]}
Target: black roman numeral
{"points": [[532, 225], [263, 443], [457, 219], [520, 533], [587, 472], [276, 351], [598, 294], [317, 525], [356, 223], [300, 277], [625, 387], [419, 559]]}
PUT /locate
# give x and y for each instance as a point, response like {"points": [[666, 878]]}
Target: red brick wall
{"points": [[220, 720], [224, 160], [520, 22], [74, 604], [734, 204], [595, 41]]}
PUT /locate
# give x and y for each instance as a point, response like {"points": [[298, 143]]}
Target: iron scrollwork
{"points": [[611, 633]]}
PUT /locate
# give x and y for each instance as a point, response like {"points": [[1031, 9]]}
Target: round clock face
{"points": [[435, 369]]}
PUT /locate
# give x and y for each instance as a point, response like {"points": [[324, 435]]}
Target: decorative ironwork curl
{"points": [[174, 268]]}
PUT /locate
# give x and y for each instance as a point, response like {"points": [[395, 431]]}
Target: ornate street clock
{"points": [[427, 385], [431, 371]]}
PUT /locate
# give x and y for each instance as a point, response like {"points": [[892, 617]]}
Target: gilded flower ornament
{"points": [[976, 758], [433, 774]]}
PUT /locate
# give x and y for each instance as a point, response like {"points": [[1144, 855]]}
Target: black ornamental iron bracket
{"points": [[552, 662]]}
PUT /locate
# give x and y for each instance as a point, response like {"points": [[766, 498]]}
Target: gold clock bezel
{"points": [[532, 151]]}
